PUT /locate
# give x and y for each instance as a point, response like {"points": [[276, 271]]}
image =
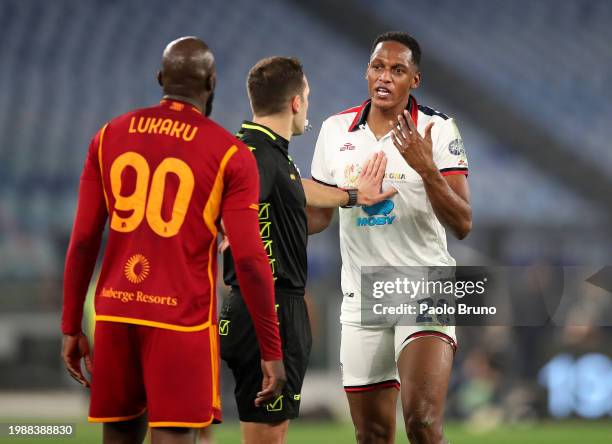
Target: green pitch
{"points": [[573, 432]]}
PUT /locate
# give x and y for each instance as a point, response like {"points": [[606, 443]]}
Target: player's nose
{"points": [[385, 76]]}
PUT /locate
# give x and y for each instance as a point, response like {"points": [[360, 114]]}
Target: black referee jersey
{"points": [[282, 210]]}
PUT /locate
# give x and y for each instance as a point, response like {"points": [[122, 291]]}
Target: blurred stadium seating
{"points": [[68, 66]]}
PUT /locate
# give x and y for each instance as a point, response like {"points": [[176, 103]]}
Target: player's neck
{"points": [[186, 99], [278, 123], [378, 118]]}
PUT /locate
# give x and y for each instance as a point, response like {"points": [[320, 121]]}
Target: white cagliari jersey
{"points": [[401, 231]]}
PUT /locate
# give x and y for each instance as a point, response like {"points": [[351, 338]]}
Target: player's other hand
{"points": [[416, 150], [274, 379], [75, 348], [224, 244], [370, 180]]}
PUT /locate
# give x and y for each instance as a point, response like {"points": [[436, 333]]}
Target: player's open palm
{"points": [[369, 183], [416, 150], [75, 348], [274, 379]]}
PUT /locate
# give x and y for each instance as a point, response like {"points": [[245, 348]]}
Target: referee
{"points": [[278, 93]]}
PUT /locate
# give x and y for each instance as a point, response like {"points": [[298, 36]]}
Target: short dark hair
{"points": [[405, 39], [272, 82]]}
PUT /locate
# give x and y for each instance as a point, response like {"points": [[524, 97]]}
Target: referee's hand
{"points": [[274, 379]]}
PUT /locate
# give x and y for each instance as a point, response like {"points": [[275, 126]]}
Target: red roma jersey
{"points": [[167, 173]]}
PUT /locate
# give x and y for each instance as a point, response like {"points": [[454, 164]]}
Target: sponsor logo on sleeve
{"points": [[456, 147]]}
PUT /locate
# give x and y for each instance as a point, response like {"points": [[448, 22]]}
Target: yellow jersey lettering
{"points": [[177, 129], [165, 127], [189, 138], [143, 128], [155, 123]]}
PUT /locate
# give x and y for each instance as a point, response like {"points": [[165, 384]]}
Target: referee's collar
{"points": [[362, 113], [254, 128]]}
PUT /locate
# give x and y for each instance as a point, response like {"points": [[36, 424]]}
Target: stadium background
{"points": [[527, 81]]}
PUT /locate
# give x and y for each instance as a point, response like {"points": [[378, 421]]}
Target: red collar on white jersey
{"points": [[363, 110]]}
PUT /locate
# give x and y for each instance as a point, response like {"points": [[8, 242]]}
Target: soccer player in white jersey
{"points": [[428, 166]]}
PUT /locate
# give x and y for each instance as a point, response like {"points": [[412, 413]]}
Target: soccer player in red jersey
{"points": [[164, 176]]}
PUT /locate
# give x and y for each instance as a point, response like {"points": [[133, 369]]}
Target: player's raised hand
{"points": [[75, 348], [370, 180], [274, 379], [416, 150]]}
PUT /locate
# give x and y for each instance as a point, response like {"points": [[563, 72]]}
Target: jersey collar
{"points": [[257, 128], [362, 113], [178, 103]]}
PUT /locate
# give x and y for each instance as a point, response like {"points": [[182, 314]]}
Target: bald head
{"points": [[188, 70]]}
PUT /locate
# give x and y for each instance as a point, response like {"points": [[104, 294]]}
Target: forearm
{"points": [[451, 209], [318, 219], [321, 196], [80, 264], [82, 253]]}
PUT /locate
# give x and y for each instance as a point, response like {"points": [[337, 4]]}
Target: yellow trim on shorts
{"points": [[146, 323], [182, 424], [115, 418]]}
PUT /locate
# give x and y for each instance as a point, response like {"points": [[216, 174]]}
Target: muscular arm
{"points": [[322, 196], [84, 246], [322, 199], [449, 195], [369, 186], [450, 199]]}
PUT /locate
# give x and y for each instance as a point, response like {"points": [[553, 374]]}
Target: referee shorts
{"points": [[240, 349], [171, 375]]}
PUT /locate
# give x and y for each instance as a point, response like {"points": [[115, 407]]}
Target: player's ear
{"points": [[159, 78], [366, 71], [416, 80], [296, 104], [211, 81]]}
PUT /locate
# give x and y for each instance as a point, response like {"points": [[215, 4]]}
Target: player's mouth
{"points": [[382, 93]]}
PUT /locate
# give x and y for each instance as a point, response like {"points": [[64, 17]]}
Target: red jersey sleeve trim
{"points": [[453, 171]]}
